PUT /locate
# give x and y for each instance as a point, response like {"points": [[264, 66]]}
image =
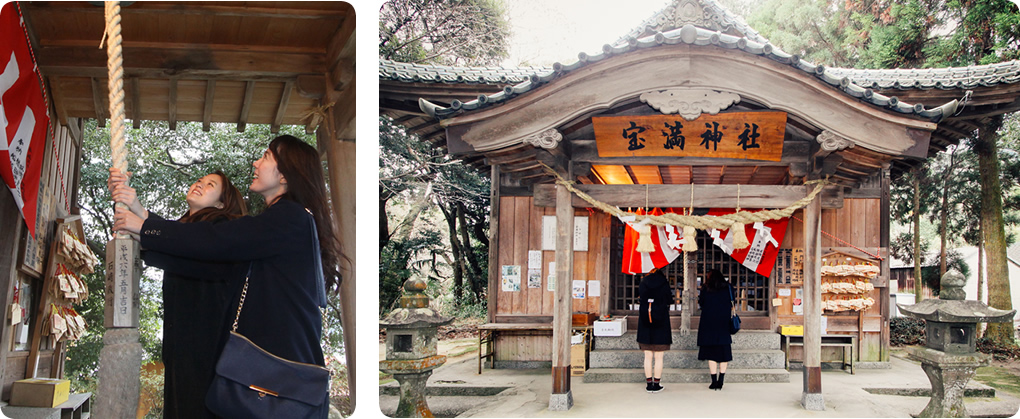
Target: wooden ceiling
{"points": [[234, 62]]}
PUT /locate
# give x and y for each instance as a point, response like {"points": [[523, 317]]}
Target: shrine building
{"points": [[692, 112]]}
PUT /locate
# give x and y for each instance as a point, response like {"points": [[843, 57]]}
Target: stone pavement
{"points": [[845, 395]]}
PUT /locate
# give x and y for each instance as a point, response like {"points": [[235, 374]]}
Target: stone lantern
{"points": [[950, 356], [411, 344]]}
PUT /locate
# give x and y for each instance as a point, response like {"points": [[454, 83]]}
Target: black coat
{"points": [[199, 300], [714, 325], [654, 331], [281, 313]]}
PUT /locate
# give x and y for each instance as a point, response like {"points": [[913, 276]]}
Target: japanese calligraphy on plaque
{"points": [[736, 135]]}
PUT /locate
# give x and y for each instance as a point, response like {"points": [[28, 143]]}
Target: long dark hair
{"points": [[300, 164], [233, 204], [714, 281]]}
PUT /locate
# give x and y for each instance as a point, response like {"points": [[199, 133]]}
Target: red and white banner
{"points": [[23, 116], [760, 256], [667, 240], [765, 238]]}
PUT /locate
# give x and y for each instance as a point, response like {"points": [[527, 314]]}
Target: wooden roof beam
{"points": [[136, 104], [340, 55], [953, 130], [242, 119], [210, 91], [166, 8], [99, 101], [197, 62], [172, 106], [705, 196], [281, 110], [57, 92]]}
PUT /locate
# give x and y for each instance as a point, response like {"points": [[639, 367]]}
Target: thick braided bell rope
{"points": [[115, 84], [700, 222]]}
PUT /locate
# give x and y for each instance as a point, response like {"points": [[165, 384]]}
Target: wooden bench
{"points": [[488, 332], [845, 342]]}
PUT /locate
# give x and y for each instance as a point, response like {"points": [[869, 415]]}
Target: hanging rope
{"points": [[115, 84]]}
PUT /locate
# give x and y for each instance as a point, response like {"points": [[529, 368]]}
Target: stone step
{"points": [[678, 375], [687, 358], [745, 339]]}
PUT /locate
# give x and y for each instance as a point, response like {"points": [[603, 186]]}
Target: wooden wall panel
{"points": [[504, 299], [857, 222], [547, 256], [522, 230], [525, 346]]}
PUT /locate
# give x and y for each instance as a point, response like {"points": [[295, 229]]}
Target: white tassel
{"points": [[644, 244], [739, 236], [690, 242]]}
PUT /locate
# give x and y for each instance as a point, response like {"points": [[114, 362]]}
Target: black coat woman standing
{"points": [[281, 311], [714, 343], [196, 295], [654, 335]]}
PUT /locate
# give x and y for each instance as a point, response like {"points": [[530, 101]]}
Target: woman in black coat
{"points": [[285, 284], [714, 326], [196, 296], [654, 335]]}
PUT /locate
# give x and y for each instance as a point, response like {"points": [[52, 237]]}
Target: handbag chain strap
{"points": [[244, 293], [733, 302]]}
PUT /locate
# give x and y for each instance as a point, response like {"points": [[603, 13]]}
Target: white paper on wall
{"points": [[534, 259], [580, 233], [578, 289]]}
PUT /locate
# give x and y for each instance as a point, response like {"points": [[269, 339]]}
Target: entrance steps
{"points": [[757, 358]]}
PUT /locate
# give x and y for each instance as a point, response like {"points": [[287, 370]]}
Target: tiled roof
{"points": [[938, 78], [419, 73], [709, 15], [689, 34]]}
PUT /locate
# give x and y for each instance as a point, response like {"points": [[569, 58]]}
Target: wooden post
{"points": [[883, 293], [493, 244], [811, 398], [561, 398], [688, 300], [341, 162]]}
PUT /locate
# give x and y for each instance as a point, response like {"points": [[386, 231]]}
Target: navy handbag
{"points": [[734, 318]]}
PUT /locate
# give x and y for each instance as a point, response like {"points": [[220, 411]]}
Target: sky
{"points": [[545, 31]]}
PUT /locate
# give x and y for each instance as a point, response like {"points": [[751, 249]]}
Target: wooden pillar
{"points": [[561, 398], [811, 398], [337, 139], [884, 265], [689, 300], [493, 244]]}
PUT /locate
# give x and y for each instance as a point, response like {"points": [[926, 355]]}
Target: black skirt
{"points": [[717, 353], [653, 347]]}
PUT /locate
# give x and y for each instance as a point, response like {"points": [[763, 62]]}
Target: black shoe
{"points": [[656, 388], [648, 386], [722, 376], [715, 383]]}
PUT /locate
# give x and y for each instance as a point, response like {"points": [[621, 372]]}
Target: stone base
{"points": [[561, 402], [813, 401], [119, 382]]}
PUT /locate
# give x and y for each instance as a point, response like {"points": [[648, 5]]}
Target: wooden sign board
{"points": [[735, 135]]}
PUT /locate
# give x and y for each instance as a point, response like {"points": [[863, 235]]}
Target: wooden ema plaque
{"points": [[736, 135]]}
